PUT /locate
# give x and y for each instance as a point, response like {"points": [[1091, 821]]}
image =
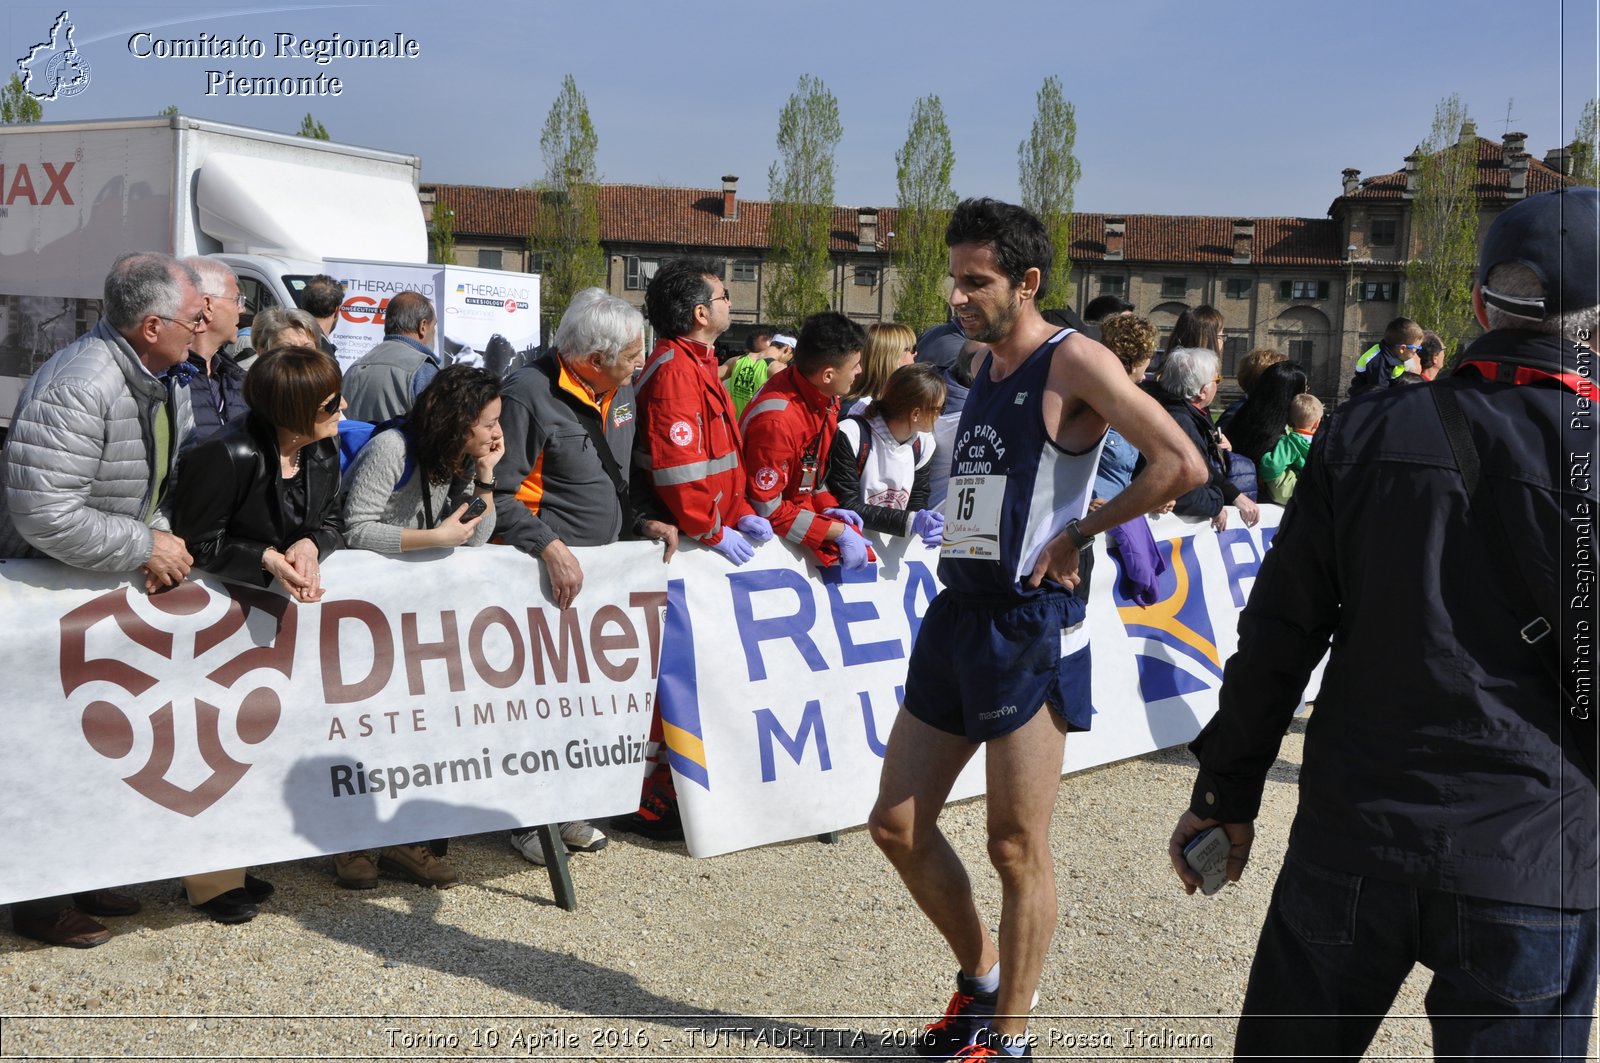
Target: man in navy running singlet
{"points": [[1006, 639]]}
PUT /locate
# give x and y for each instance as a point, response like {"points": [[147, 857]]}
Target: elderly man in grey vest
{"points": [[388, 378]]}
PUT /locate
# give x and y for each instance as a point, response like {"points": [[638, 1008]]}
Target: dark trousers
{"points": [[1509, 980]]}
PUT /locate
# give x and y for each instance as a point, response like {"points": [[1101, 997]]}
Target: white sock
{"points": [[986, 983], [1013, 1046]]}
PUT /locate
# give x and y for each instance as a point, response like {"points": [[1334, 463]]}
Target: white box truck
{"points": [[76, 195]]}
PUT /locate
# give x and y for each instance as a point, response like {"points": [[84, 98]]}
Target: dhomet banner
{"points": [[218, 726], [778, 690]]}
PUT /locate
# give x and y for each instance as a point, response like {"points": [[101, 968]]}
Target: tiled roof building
{"points": [[1321, 289]]}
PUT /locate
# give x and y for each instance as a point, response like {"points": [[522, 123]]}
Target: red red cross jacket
{"points": [[788, 429], [689, 445]]}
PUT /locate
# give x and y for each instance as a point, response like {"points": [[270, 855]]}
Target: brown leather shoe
{"points": [[68, 927], [417, 863], [102, 903], [355, 871]]}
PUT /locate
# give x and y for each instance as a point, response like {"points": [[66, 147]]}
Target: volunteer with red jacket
{"points": [[689, 448], [788, 430]]}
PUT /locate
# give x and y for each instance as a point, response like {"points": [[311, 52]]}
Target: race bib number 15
{"points": [[972, 517]]}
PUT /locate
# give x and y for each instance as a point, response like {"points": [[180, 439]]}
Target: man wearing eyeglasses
{"points": [[216, 383], [687, 451], [93, 447], [1385, 362]]}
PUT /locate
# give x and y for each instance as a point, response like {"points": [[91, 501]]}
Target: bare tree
{"points": [[566, 224], [923, 167], [1047, 173], [1444, 223], [1585, 147], [800, 184]]}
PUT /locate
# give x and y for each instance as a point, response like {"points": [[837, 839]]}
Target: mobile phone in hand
{"points": [[1207, 854], [475, 507]]}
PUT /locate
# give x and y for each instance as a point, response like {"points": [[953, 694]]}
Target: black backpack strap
{"points": [[1537, 631], [865, 444]]}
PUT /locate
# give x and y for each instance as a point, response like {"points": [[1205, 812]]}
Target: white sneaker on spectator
{"points": [[528, 844], [579, 836]]}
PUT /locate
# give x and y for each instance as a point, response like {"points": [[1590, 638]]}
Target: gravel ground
{"points": [[802, 950]]}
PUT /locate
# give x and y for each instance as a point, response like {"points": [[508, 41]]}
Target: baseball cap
{"points": [[1555, 234]]}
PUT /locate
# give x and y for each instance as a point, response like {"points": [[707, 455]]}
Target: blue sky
{"points": [[1239, 107]]}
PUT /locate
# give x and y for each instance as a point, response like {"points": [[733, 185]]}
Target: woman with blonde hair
{"points": [[889, 346]]}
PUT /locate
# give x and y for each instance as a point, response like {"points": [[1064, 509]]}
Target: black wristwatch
{"points": [[1073, 532], [482, 485]]}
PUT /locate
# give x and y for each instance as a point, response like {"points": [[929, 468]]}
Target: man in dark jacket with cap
{"points": [[1447, 808]]}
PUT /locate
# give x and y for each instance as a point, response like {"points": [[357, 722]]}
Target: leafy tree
{"points": [[17, 105], [926, 199], [442, 234], [313, 129], [566, 224], [169, 111], [1585, 147], [800, 184], [1444, 219], [1047, 174]]}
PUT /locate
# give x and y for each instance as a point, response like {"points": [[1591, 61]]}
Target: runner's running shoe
{"points": [[966, 1014]]}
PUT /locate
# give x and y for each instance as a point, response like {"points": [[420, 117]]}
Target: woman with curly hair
{"points": [[452, 437], [889, 346], [415, 486], [1133, 340]]}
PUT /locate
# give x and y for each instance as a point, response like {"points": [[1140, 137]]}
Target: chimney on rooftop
{"points": [[1115, 229], [1518, 164], [1513, 144], [1244, 238], [1352, 181], [1411, 173], [867, 229], [1469, 132], [1559, 160], [730, 198]]}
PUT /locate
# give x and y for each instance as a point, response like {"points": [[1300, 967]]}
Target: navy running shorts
{"points": [[981, 668]]}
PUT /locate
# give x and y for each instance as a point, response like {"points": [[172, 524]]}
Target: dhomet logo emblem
{"points": [[54, 68], [108, 685]]}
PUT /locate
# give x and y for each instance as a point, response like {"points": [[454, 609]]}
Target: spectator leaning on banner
{"points": [[408, 488], [388, 378], [93, 447], [1447, 798], [881, 464], [216, 384], [688, 450], [569, 419], [788, 430]]}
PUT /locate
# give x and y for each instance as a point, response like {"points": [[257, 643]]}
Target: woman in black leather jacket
{"points": [[260, 501]]}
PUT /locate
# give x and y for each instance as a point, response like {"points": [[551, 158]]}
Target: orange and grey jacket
{"points": [[551, 484], [688, 448]]}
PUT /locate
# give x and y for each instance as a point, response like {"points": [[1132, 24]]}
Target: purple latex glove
{"points": [[733, 546], [929, 524], [852, 550], [849, 516], [757, 528]]}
